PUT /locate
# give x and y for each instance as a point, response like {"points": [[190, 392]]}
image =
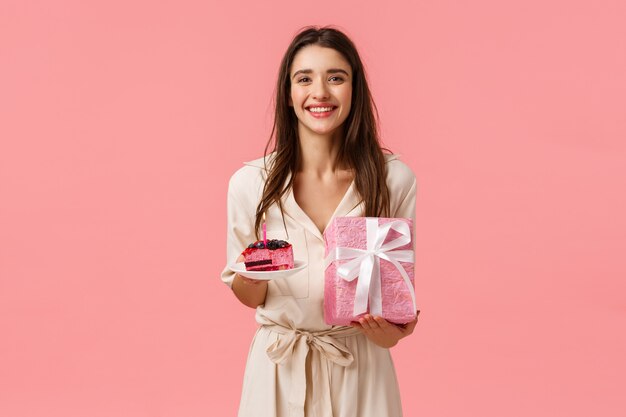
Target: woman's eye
{"points": [[306, 79]]}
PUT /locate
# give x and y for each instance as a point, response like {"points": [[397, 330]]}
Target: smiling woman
{"points": [[326, 162]]}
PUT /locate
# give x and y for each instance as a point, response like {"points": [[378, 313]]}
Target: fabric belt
{"points": [[294, 345]]}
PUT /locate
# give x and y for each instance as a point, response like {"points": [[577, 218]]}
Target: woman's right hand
{"points": [[250, 281], [251, 292]]}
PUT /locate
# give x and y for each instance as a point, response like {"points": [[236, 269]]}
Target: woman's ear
{"points": [[290, 101]]}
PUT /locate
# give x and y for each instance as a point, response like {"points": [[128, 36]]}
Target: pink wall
{"points": [[121, 122]]}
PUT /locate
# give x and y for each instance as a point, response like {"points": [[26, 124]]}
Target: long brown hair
{"points": [[360, 149]]}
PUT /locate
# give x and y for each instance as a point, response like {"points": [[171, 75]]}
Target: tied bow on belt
{"points": [[294, 345]]}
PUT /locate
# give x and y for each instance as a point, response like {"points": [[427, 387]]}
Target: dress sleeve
{"points": [[404, 185], [407, 205], [240, 228], [406, 208]]}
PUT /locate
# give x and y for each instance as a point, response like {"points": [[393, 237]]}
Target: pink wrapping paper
{"points": [[339, 294]]}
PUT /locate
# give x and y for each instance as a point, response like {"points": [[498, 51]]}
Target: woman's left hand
{"points": [[383, 333]]}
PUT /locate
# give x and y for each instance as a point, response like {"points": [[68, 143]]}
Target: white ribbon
{"points": [[365, 263]]}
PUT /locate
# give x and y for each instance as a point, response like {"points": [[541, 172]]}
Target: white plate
{"points": [[240, 268]]}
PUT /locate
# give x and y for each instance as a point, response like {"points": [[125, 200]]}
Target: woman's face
{"points": [[321, 89]]}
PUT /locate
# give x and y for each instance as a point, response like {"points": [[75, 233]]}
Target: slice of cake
{"points": [[278, 255]]}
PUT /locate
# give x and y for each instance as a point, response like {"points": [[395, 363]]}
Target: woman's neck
{"points": [[318, 153]]}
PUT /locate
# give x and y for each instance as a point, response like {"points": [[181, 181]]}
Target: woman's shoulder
{"points": [[246, 183], [251, 172], [402, 185], [263, 162], [398, 172]]}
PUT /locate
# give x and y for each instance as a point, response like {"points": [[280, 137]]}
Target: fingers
{"points": [[356, 325], [381, 323], [378, 330], [365, 323], [374, 323], [370, 323], [410, 326]]}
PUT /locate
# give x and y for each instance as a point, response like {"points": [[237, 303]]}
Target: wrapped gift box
{"points": [[369, 269]]}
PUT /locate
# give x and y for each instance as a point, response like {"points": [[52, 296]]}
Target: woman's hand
{"points": [[383, 333], [246, 280], [249, 281], [251, 292]]}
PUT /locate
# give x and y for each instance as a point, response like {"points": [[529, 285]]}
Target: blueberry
{"points": [[259, 245], [282, 244], [251, 245]]}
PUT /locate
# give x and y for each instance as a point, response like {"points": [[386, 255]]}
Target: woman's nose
{"points": [[320, 90]]}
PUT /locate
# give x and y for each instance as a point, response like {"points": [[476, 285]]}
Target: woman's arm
{"points": [[377, 329], [240, 232], [250, 292]]}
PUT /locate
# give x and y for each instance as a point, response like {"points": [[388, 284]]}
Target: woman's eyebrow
{"points": [[330, 71]]}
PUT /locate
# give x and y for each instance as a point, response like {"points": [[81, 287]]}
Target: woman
{"points": [[326, 162]]}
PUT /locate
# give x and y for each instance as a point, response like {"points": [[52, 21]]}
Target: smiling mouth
{"points": [[321, 110]]}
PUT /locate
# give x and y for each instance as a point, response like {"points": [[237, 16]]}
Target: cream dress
{"points": [[297, 364]]}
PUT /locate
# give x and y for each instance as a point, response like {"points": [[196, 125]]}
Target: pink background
{"points": [[121, 122]]}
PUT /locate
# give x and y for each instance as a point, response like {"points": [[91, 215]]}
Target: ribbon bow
{"points": [[365, 263], [294, 345]]}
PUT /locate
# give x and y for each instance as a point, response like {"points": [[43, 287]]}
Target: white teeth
{"points": [[320, 109]]}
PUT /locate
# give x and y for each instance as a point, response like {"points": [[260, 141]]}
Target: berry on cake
{"points": [[276, 256]]}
